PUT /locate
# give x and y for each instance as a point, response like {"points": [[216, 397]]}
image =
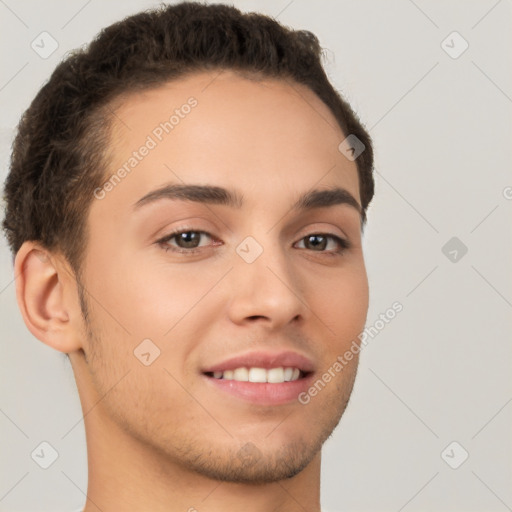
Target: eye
{"points": [[318, 242], [187, 240]]}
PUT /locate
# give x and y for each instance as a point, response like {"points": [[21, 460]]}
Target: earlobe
{"points": [[47, 311]]}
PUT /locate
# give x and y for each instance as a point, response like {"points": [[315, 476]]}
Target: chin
{"points": [[252, 465]]}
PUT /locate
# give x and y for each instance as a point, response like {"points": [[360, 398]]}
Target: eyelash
{"points": [[343, 244]]}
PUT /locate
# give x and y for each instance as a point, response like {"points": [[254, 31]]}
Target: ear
{"points": [[46, 292]]}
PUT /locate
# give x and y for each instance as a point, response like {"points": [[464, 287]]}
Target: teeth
{"points": [[288, 374], [257, 375], [241, 374], [274, 375]]}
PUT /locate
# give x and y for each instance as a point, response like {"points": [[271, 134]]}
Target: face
{"points": [[252, 280]]}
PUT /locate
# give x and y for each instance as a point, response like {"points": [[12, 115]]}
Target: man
{"points": [[186, 203]]}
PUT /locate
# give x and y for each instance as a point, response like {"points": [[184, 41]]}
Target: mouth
{"points": [[262, 378], [276, 375]]}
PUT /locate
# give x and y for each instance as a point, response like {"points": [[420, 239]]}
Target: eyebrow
{"points": [[210, 194]]}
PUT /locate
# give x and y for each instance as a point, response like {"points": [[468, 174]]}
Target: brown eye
{"points": [[184, 240], [318, 242], [188, 239]]}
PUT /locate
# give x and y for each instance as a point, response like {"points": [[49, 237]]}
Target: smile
{"points": [[272, 375]]}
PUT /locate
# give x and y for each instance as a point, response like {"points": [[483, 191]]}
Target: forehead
{"points": [[225, 129]]}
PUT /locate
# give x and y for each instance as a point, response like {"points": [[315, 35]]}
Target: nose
{"points": [[267, 290]]}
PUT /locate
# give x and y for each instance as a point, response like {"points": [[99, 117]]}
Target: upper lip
{"points": [[267, 360]]}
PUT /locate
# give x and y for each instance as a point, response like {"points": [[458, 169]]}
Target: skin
{"points": [[158, 437]]}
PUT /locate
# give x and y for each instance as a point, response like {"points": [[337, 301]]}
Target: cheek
{"points": [[342, 304], [150, 298], [173, 299]]}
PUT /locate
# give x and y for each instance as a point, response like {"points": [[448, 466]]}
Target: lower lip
{"points": [[263, 393]]}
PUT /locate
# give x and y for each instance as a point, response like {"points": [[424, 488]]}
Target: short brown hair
{"points": [[60, 152]]}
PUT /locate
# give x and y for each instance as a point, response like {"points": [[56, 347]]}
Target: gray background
{"points": [[440, 371]]}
